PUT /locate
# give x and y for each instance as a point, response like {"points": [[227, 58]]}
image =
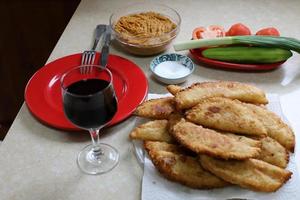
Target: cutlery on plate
{"points": [[105, 47], [88, 57]]}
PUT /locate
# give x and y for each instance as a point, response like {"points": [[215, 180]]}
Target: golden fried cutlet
{"points": [[210, 142], [163, 146], [174, 89], [274, 153], [271, 151], [156, 130], [226, 115], [246, 140], [252, 173], [275, 127], [189, 97], [180, 167], [156, 108], [174, 118]]}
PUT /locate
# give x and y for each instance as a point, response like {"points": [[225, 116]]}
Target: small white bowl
{"points": [[175, 69]]}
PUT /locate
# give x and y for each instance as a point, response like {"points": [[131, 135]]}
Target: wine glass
{"points": [[90, 102]]}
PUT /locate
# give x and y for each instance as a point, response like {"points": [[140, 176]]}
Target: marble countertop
{"points": [[38, 162]]}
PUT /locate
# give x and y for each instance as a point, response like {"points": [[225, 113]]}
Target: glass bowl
{"points": [[142, 45]]}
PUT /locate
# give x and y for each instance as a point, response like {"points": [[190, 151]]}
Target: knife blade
{"points": [[100, 29], [105, 47]]}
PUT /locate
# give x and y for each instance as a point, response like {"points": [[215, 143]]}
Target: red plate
{"points": [[43, 93], [197, 54]]}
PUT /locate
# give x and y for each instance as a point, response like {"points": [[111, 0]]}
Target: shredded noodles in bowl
{"points": [[145, 28]]}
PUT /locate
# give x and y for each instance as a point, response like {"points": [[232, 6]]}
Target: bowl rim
{"points": [[152, 66], [176, 30]]}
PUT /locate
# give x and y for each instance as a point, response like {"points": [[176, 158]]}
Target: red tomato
{"points": [[197, 32], [219, 30], [268, 31], [238, 29], [212, 31]]}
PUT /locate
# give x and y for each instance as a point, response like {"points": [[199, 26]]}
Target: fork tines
{"points": [[88, 58]]}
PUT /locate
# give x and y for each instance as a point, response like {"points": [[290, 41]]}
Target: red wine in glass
{"points": [[90, 102], [92, 106]]}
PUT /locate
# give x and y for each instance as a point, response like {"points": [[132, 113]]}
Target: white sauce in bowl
{"points": [[171, 70]]}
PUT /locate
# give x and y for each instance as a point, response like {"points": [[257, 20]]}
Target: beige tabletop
{"points": [[38, 162]]}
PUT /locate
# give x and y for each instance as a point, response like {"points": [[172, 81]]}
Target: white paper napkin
{"points": [[156, 187]]}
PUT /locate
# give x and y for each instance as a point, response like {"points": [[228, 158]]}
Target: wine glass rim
{"points": [[89, 95]]}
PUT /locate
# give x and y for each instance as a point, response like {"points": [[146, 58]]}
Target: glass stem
{"points": [[95, 141]]}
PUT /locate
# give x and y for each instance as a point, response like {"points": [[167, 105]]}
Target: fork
{"points": [[88, 57]]}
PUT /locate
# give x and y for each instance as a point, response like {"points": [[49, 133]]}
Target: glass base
{"points": [[97, 160]]}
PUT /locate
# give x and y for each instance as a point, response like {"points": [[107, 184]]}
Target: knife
{"points": [[100, 29], [105, 47]]}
